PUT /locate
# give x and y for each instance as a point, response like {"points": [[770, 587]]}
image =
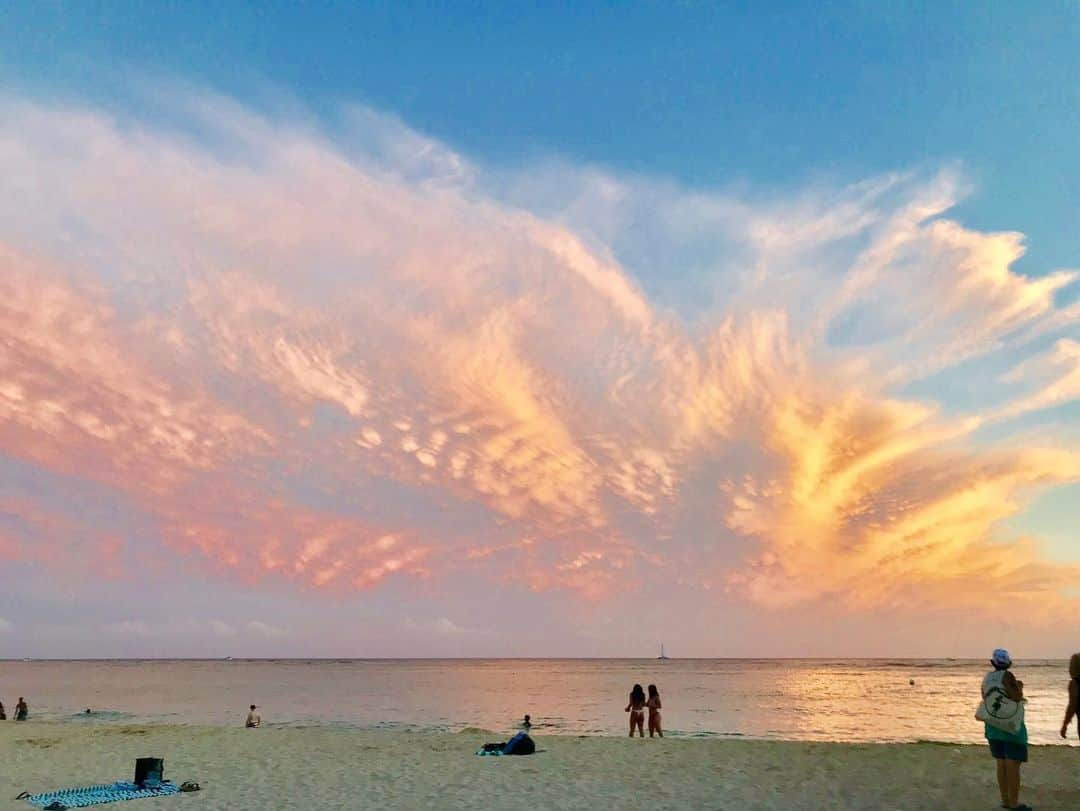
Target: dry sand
{"points": [[324, 768]]}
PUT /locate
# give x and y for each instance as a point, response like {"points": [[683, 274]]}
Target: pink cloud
{"points": [[265, 338]]}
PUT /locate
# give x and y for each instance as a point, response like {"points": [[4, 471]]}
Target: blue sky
{"points": [[709, 93], [325, 308]]}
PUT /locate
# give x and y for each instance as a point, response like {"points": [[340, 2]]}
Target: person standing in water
{"points": [[253, 718], [22, 711], [654, 711], [1009, 749], [1073, 707], [636, 708], [3, 715]]}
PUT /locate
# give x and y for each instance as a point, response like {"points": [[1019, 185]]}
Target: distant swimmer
{"points": [[22, 711], [527, 723], [253, 718]]}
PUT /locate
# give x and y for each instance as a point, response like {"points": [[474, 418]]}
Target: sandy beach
{"points": [[335, 768]]}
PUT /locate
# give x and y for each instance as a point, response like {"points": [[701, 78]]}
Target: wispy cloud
{"points": [[144, 629], [335, 361]]}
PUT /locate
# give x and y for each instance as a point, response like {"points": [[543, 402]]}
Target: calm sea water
{"points": [[849, 700]]}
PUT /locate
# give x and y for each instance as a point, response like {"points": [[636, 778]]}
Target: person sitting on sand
{"points": [[253, 719], [1008, 749], [1073, 708], [654, 711], [636, 708], [22, 711]]}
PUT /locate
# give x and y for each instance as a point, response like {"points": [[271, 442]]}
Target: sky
{"points": [[497, 330]]}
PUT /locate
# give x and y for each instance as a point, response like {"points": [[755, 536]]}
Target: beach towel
{"points": [[97, 795]]}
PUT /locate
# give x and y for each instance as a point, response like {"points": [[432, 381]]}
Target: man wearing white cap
{"points": [[1000, 688]]}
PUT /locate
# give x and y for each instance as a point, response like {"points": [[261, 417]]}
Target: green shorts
{"points": [[1007, 750]]}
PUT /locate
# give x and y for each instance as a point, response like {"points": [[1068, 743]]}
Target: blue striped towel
{"points": [[105, 793]]}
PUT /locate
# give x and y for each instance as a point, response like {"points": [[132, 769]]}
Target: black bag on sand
{"points": [[149, 771]]}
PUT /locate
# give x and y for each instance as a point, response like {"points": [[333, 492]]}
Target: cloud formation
{"points": [[334, 361]]}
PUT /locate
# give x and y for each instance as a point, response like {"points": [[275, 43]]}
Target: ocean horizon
{"points": [[802, 699]]}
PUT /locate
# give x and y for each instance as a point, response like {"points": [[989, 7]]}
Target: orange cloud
{"points": [[335, 364]]}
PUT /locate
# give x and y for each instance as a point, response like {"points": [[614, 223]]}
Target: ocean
{"points": [[859, 700]]}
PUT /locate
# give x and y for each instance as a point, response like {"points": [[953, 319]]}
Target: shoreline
{"points": [[101, 721], [293, 767]]}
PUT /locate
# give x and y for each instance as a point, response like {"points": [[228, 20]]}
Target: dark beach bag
{"points": [[149, 772], [520, 744]]}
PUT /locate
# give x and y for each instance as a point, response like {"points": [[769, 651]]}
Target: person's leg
{"points": [[1016, 784], [1012, 782], [631, 725], [1003, 783]]}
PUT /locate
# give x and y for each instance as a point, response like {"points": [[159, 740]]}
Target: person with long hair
{"points": [[636, 708], [1073, 708], [654, 711], [1009, 749]]}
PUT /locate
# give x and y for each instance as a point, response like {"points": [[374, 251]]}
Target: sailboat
{"points": [[662, 654]]}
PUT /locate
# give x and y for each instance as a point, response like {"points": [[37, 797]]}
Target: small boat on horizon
{"points": [[662, 654]]}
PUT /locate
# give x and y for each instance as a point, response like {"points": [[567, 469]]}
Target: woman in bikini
{"points": [[654, 711], [636, 708]]}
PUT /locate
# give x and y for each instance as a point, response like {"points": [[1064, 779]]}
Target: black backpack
{"points": [[149, 771], [520, 744]]}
